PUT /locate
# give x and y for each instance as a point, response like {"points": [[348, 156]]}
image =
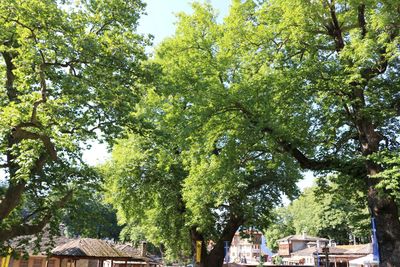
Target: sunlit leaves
{"points": [[70, 71]]}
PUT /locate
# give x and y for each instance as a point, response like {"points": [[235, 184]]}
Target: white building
{"points": [[246, 250]]}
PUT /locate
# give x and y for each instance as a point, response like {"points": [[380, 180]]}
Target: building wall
{"points": [[249, 248], [84, 263], [284, 248], [40, 261], [298, 245], [34, 261]]}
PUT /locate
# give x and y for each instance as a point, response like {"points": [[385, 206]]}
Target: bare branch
{"points": [[14, 192], [334, 29], [10, 77], [5, 165], [361, 20]]}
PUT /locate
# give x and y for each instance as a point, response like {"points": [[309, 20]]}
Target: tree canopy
{"points": [[69, 70], [235, 111], [280, 85], [199, 171]]}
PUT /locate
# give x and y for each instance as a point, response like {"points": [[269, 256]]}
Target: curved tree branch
{"points": [[21, 134], [30, 228], [305, 162]]}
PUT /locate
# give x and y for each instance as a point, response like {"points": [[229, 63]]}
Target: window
{"points": [[23, 263], [37, 262]]}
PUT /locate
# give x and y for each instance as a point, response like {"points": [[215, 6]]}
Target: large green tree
{"points": [[344, 58], [319, 79], [68, 70], [175, 201], [315, 82], [197, 171], [311, 82]]}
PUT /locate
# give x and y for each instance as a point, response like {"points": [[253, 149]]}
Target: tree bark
{"points": [[382, 207], [215, 257], [17, 187], [30, 228], [196, 236], [385, 212]]}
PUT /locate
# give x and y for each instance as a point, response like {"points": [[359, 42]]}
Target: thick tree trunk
{"points": [[382, 207], [215, 257], [13, 195], [195, 237], [386, 216], [385, 211]]}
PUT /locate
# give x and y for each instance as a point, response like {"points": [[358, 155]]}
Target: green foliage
{"points": [[89, 216], [202, 157], [389, 179], [281, 225], [325, 212], [70, 71], [238, 107], [144, 185]]}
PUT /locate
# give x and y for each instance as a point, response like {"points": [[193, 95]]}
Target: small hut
{"points": [[145, 258], [37, 249], [88, 252]]}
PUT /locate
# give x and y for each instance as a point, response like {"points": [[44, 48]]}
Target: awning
{"points": [[367, 260]]}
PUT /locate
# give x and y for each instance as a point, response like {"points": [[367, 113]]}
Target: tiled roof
{"points": [[135, 253], [338, 250], [34, 246], [302, 238], [88, 247], [311, 250], [357, 249]]}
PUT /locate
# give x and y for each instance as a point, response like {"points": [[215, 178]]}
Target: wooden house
{"points": [[37, 258], [81, 252]]}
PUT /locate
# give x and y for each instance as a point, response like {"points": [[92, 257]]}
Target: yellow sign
{"points": [[198, 251], [6, 260]]}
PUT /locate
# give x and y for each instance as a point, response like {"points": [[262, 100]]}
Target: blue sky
{"points": [[160, 17]]}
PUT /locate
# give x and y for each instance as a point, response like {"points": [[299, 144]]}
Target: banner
{"points": [[375, 246], [226, 251], [6, 260], [198, 251]]}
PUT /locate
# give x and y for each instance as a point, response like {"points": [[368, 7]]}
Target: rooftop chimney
{"points": [[63, 230], [143, 249]]}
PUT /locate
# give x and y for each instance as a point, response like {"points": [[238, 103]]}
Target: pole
{"points": [[326, 257]]}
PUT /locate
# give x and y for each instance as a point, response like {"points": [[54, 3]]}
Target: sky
{"points": [[160, 22], [160, 18]]}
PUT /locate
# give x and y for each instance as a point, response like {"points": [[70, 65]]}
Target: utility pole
{"points": [[325, 250]]}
